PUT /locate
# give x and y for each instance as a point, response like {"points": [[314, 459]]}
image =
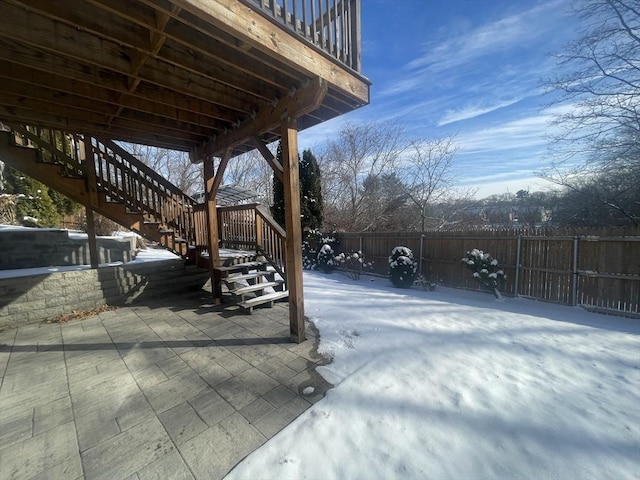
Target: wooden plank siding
{"points": [[592, 269]]}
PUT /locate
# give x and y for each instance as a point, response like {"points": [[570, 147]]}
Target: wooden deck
{"points": [[175, 73], [214, 78]]}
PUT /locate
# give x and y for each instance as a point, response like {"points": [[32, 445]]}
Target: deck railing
{"points": [[331, 25], [251, 227]]}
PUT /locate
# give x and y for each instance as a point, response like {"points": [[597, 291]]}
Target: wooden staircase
{"points": [[104, 177], [101, 175], [253, 283]]}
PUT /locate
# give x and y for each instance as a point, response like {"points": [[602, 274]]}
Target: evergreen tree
{"points": [[310, 192], [34, 201]]}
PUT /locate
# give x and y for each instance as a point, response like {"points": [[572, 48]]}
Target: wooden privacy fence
{"points": [[600, 270]]}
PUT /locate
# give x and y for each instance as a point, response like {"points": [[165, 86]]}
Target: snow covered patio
{"points": [[454, 385]]}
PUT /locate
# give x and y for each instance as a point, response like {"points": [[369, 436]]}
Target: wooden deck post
{"points": [[87, 159], [212, 230], [293, 227]]}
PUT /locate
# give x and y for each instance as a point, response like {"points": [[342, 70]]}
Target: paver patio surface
{"points": [[175, 388]]}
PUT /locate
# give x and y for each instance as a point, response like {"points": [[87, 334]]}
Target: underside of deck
{"points": [[214, 78], [173, 74]]}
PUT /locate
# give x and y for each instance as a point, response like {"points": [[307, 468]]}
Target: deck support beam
{"points": [[291, 180], [211, 188], [299, 102], [92, 200]]}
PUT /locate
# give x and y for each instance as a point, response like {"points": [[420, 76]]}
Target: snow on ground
{"points": [[453, 385]]}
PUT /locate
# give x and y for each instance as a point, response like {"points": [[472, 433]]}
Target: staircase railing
{"points": [[252, 227], [124, 178], [54, 146], [270, 240], [120, 176]]}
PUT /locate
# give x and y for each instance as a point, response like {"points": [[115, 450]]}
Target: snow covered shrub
{"points": [[353, 264], [311, 245], [402, 267], [326, 259], [485, 270]]}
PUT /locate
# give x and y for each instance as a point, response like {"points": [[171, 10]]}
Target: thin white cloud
{"points": [[494, 37], [523, 133], [472, 111], [456, 54]]}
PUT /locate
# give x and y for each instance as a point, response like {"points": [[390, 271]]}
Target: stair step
{"points": [[248, 276], [240, 267], [254, 288], [270, 298]]}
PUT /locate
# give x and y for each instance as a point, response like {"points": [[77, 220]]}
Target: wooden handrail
{"points": [[123, 178], [251, 226], [45, 139], [120, 176], [270, 240]]}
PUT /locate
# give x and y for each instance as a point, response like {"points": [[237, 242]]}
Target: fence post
{"points": [[517, 282], [421, 254], [574, 273]]}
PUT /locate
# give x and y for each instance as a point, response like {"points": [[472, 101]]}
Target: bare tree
{"points": [[251, 171], [426, 172], [600, 79], [362, 151], [385, 204], [173, 165]]}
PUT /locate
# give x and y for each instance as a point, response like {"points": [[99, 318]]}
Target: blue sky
{"points": [[470, 68]]}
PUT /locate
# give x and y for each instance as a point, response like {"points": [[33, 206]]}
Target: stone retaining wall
{"points": [[36, 298], [34, 247]]}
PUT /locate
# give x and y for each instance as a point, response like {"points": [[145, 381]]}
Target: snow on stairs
{"points": [[248, 282]]}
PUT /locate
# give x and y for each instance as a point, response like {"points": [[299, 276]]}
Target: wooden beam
{"points": [[61, 40], [212, 232], [252, 28], [216, 46], [91, 233], [146, 99], [15, 114], [293, 228], [273, 162], [217, 181], [72, 106], [298, 103], [156, 41]]}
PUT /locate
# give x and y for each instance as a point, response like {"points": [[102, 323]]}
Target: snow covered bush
{"points": [[353, 264], [311, 245], [485, 270], [402, 267], [326, 259]]}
